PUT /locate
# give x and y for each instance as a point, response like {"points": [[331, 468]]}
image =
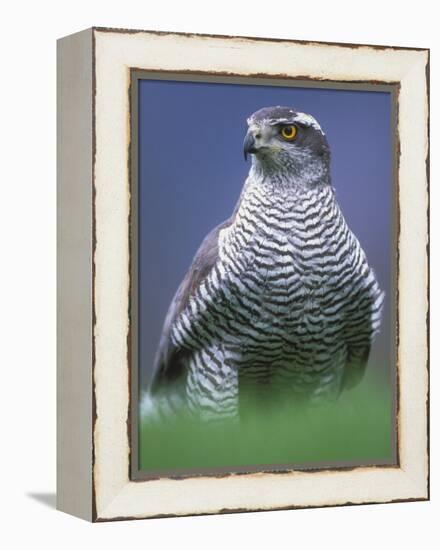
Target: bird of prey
{"points": [[279, 304]]}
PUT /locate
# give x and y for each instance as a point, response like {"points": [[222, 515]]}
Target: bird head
{"points": [[288, 146]]}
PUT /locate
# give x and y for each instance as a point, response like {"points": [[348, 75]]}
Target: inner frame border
{"points": [[136, 74]]}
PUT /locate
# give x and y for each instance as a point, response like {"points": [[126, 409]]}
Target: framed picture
{"points": [[242, 274]]}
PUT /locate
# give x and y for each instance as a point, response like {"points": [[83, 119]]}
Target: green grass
{"points": [[357, 428]]}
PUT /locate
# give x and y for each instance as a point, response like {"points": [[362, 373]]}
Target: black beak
{"points": [[249, 144]]}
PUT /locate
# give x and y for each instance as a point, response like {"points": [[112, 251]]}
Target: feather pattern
{"points": [[280, 302]]}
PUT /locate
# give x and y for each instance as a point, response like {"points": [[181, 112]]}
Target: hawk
{"points": [[279, 304]]}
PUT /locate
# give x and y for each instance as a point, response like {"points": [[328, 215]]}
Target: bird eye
{"points": [[289, 132]]}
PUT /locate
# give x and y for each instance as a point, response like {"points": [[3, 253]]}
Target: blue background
{"points": [[191, 171]]}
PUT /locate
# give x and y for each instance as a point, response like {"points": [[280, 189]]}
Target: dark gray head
{"points": [[287, 146]]}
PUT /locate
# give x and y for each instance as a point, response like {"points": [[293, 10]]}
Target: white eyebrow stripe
{"points": [[300, 118], [270, 121], [308, 120], [278, 120]]}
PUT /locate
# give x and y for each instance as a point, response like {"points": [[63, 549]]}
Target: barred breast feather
{"points": [[280, 302]]}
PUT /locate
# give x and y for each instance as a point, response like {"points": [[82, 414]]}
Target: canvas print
{"points": [[265, 277]]}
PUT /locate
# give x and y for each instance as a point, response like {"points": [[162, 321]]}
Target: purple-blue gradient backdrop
{"points": [[191, 171]]}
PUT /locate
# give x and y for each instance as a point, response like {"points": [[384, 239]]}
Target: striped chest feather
{"points": [[279, 260]]}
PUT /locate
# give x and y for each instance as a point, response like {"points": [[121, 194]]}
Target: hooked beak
{"points": [[249, 144]]}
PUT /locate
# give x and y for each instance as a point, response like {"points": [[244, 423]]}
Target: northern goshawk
{"points": [[279, 304]]}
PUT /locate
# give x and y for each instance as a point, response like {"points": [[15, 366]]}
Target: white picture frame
{"points": [[94, 194]]}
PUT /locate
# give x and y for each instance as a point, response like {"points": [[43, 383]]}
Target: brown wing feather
{"points": [[168, 364], [169, 360]]}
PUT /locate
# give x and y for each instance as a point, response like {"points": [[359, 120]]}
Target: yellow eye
{"points": [[289, 132]]}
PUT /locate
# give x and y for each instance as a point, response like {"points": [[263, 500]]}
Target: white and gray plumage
{"points": [[279, 303]]}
